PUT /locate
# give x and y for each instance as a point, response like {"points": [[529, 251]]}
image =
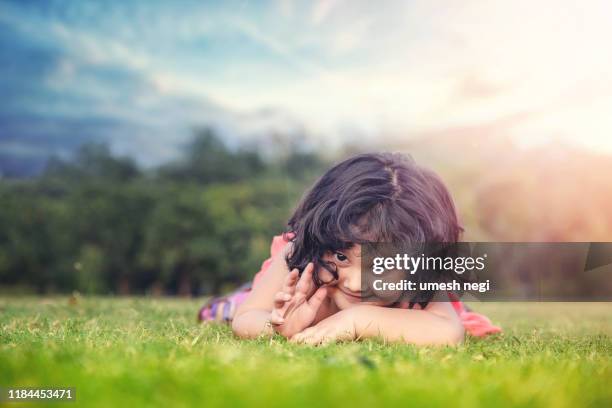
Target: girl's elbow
{"points": [[239, 329], [455, 334], [449, 334], [446, 335], [245, 327]]}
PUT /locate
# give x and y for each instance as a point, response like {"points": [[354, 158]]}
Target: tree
{"points": [[209, 160]]}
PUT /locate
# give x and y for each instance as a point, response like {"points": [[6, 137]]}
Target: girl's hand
{"points": [[337, 327], [296, 305]]}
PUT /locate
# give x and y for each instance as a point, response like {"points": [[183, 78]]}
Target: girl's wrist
{"points": [[278, 329], [359, 319], [351, 316]]}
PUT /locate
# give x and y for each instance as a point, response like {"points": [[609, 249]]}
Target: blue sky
{"points": [[142, 74]]}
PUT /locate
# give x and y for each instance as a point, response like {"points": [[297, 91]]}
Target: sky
{"points": [[142, 75]]}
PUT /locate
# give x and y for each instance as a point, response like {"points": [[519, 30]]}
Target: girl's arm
{"points": [[437, 324], [252, 317], [303, 303]]}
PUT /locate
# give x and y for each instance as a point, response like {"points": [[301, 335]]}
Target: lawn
{"points": [[134, 352]]}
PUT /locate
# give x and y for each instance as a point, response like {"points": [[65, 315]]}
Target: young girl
{"points": [[309, 291]]}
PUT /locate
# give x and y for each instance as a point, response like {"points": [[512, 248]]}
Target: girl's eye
{"points": [[340, 256]]}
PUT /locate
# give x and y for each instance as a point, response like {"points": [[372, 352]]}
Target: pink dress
{"points": [[475, 324]]}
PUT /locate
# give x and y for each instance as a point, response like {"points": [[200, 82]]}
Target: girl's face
{"points": [[346, 291]]}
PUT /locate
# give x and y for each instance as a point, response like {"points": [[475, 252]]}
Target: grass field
{"points": [[145, 352]]}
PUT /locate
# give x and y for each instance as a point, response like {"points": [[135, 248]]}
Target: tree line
{"points": [[202, 224], [98, 223]]}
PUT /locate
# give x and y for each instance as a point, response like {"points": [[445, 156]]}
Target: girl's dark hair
{"points": [[380, 197]]}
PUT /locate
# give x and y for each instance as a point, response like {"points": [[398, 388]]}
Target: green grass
{"points": [[145, 352]]}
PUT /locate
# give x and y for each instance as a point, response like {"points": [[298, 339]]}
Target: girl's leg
{"points": [[222, 309]]}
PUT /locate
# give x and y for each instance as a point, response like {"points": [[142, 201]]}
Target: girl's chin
{"points": [[343, 303]]}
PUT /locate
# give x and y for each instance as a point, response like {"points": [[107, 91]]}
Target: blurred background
{"points": [[156, 147]]}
